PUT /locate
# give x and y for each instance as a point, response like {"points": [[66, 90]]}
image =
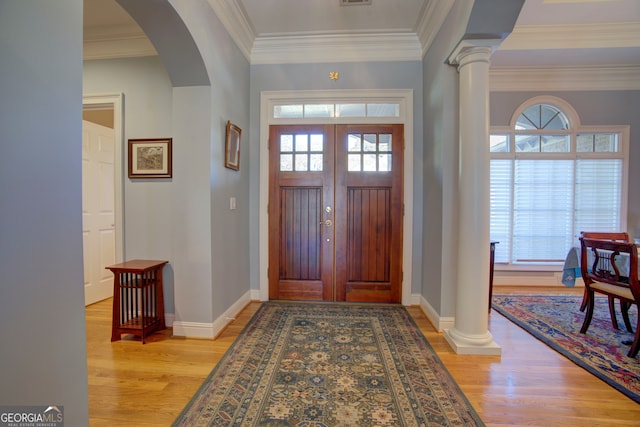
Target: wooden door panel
{"points": [[301, 187], [369, 238], [300, 233]]}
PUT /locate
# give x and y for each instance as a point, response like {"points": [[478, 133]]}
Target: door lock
{"points": [[328, 223]]}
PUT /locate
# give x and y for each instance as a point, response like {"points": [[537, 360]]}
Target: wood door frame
{"points": [[404, 98], [115, 102]]}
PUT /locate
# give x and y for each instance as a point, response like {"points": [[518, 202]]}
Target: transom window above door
{"points": [[334, 110]]}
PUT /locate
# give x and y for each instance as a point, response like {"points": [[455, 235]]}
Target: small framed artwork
{"points": [[150, 158], [232, 147]]}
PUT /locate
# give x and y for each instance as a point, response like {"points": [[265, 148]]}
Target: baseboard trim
{"points": [[212, 330], [440, 323]]}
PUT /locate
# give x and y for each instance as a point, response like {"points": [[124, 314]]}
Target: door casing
{"points": [[404, 97]]}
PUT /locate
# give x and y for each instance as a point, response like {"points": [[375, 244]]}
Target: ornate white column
{"points": [[470, 335]]}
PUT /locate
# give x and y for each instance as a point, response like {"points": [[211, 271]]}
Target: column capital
{"points": [[480, 48]]}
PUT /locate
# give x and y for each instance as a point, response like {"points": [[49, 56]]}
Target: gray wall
{"points": [[594, 108], [147, 114], [42, 323], [186, 219], [440, 121], [368, 75]]}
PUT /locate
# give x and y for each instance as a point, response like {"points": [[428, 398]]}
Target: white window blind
{"points": [[501, 207], [598, 195], [542, 210]]}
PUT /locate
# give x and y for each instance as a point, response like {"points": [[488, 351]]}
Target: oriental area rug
{"points": [[314, 365], [556, 320]]}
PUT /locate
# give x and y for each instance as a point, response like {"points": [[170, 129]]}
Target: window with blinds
{"points": [[549, 182]]}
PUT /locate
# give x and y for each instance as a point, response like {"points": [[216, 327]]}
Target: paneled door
{"points": [[335, 212], [98, 210]]}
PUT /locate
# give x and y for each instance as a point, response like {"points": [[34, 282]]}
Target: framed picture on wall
{"points": [[232, 147], [150, 158]]}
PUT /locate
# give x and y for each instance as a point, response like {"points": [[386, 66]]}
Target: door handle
{"points": [[328, 223]]}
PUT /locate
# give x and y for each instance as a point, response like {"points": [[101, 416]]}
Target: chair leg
{"points": [[624, 308], [589, 314], [612, 312], [585, 299]]}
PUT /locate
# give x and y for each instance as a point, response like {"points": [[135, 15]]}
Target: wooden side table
{"points": [[138, 300]]}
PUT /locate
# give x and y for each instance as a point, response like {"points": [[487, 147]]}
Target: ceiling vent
{"points": [[354, 2]]}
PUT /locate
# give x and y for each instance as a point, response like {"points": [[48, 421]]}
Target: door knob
{"points": [[328, 223]]}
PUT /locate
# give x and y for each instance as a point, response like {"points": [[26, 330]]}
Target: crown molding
{"points": [[336, 48], [508, 79], [587, 36], [431, 21], [123, 41], [230, 13]]}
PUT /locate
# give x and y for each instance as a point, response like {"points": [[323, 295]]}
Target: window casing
{"points": [[550, 179]]}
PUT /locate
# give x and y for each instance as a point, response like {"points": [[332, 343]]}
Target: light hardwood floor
{"points": [[131, 384]]}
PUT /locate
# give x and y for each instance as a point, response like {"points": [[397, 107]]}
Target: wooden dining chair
{"points": [[606, 276], [616, 237]]}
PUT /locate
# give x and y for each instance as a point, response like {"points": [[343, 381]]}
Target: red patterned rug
{"points": [[317, 365], [556, 321]]}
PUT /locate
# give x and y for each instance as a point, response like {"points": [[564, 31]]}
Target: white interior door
{"points": [[98, 210]]}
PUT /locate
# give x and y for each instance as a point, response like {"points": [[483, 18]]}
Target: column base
{"points": [[472, 344]]}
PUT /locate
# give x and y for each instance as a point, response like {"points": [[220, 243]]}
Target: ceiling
{"points": [[548, 33]]}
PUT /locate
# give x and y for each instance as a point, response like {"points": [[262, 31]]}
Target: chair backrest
{"points": [[606, 235], [606, 264]]}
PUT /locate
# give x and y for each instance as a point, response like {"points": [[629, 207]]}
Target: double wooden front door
{"points": [[335, 212]]}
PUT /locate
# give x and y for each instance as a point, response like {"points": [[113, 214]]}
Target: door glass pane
{"points": [[369, 162], [354, 163], [384, 162], [286, 143], [302, 162], [317, 142], [384, 142], [302, 142], [286, 162], [315, 162], [369, 142], [354, 143]]}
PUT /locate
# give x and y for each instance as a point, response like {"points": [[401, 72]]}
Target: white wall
{"points": [[42, 323]]}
